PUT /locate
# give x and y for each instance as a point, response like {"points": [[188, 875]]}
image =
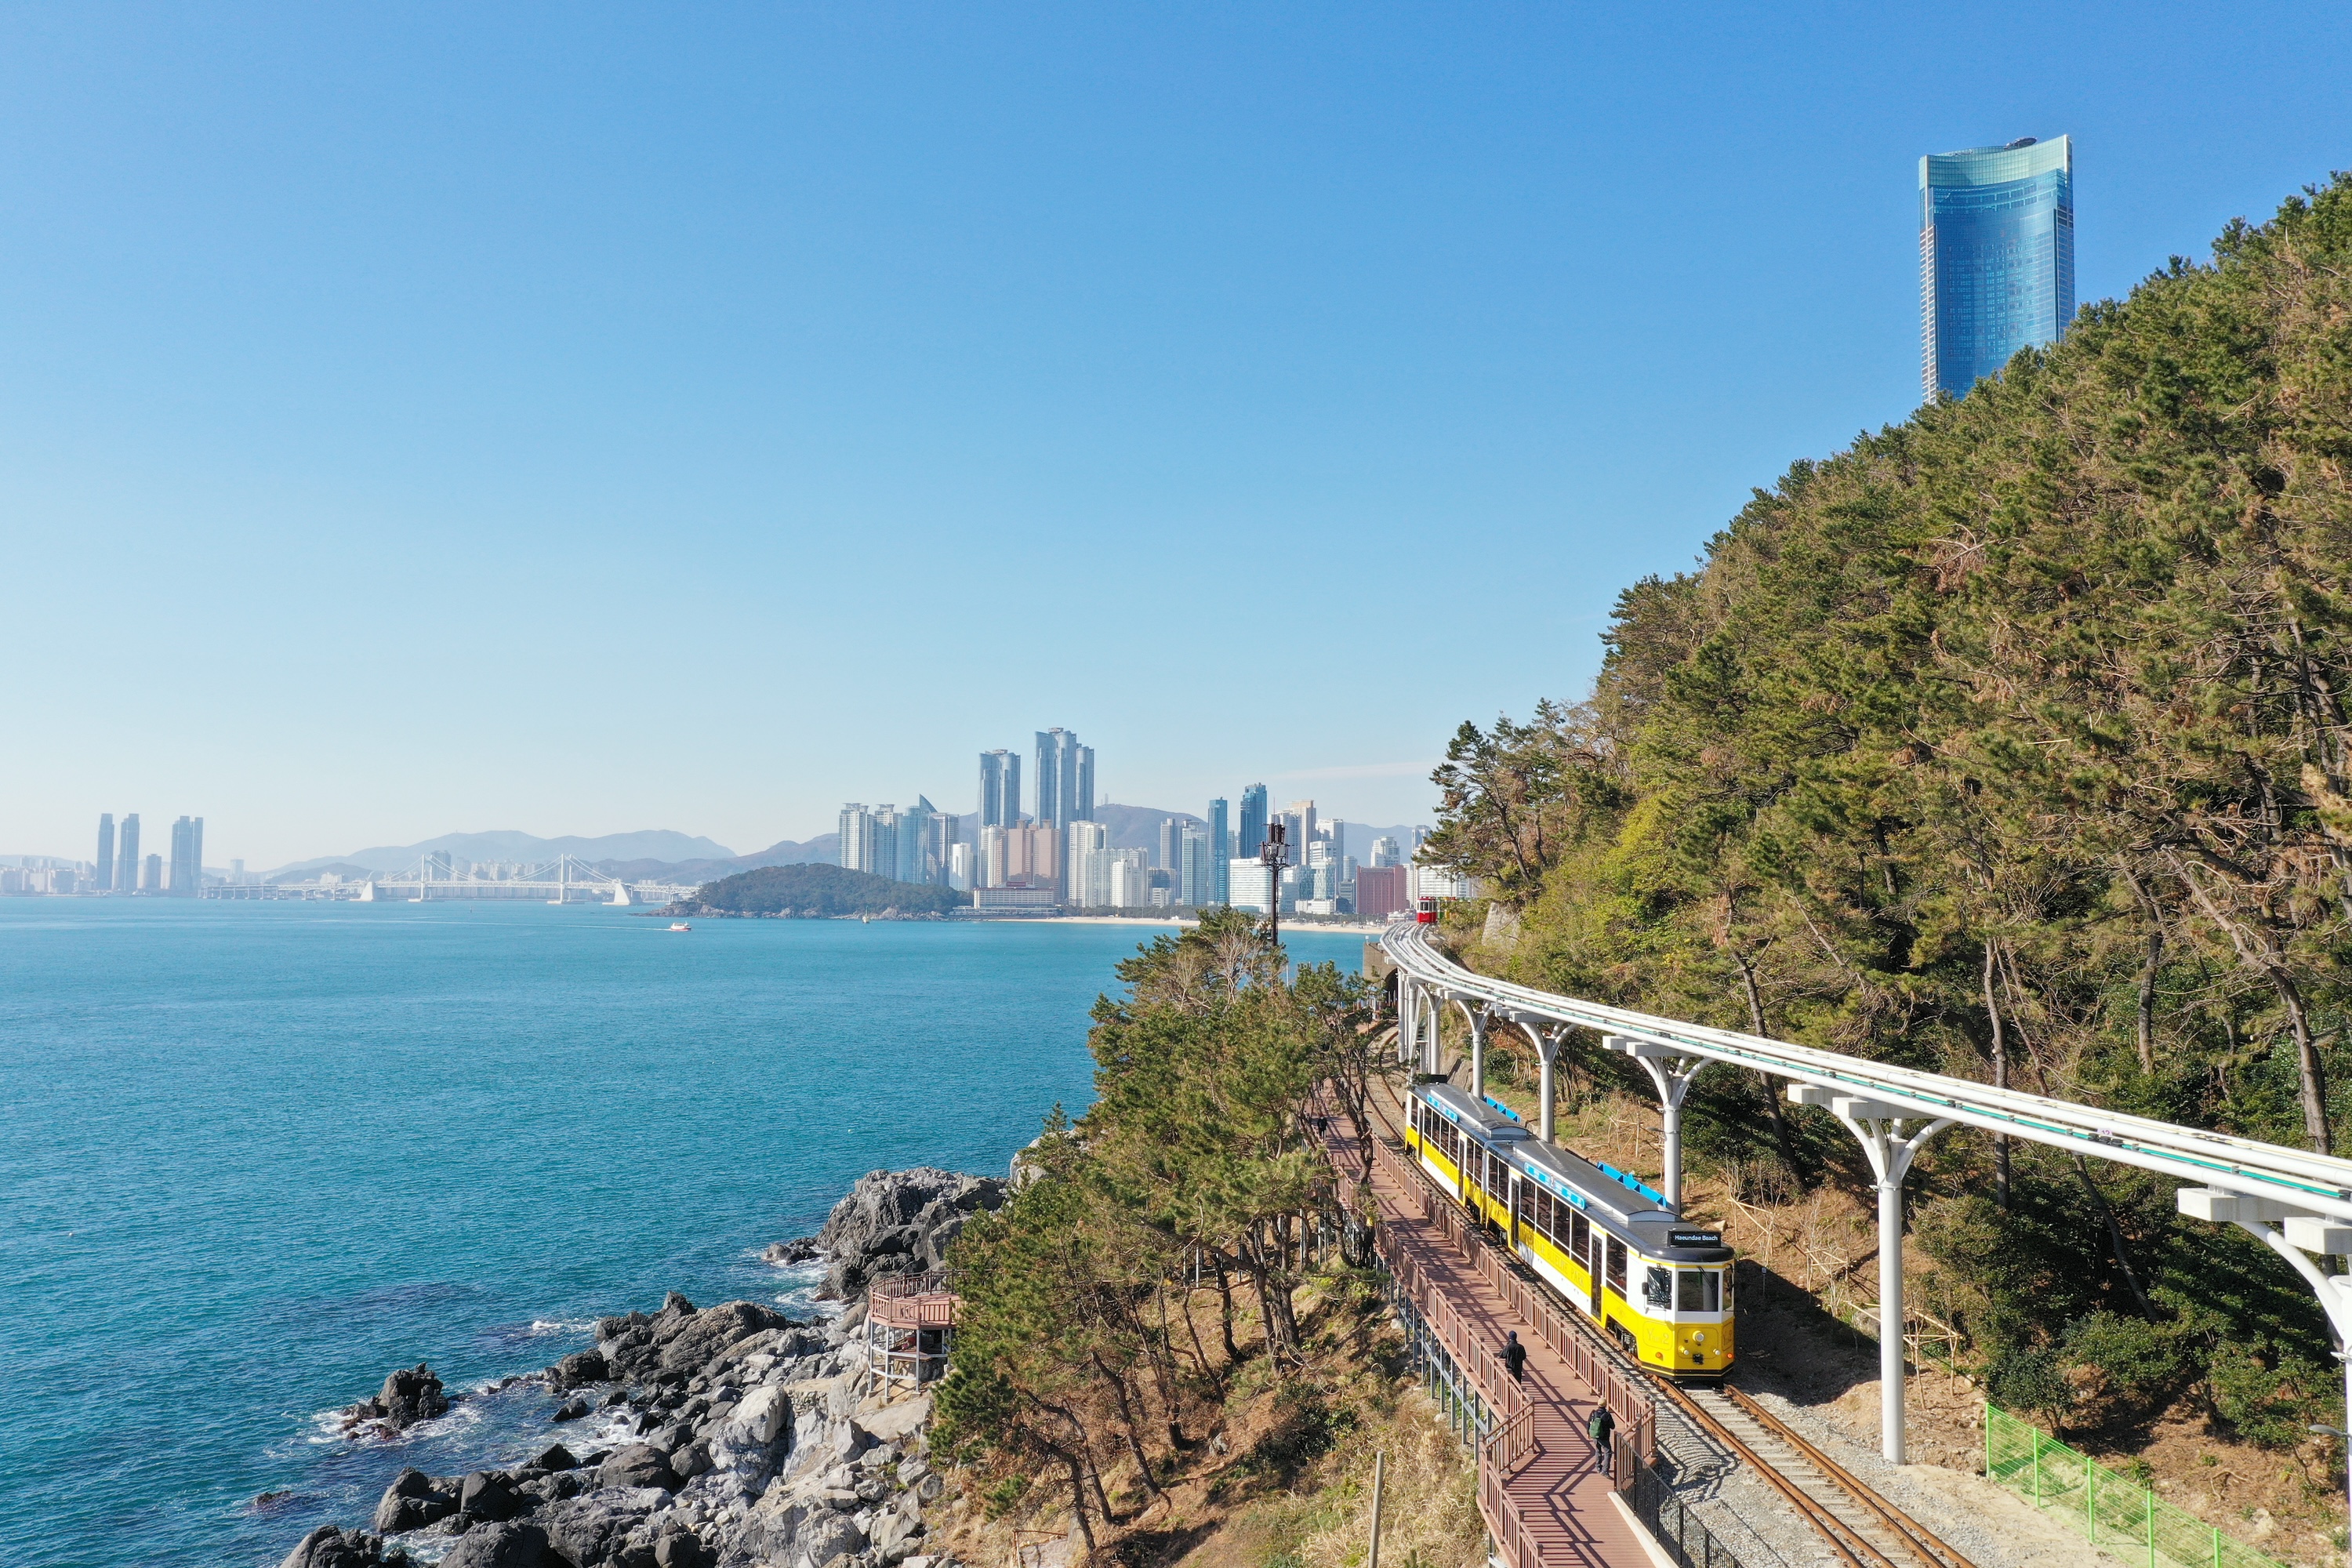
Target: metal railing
{"points": [[1672, 1524], [1629, 1402], [2121, 1517]]}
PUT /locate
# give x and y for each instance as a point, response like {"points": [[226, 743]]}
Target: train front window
{"points": [[1697, 1289], [1657, 1289]]}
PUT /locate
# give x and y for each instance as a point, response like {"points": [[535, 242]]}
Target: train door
{"points": [[1517, 1197], [1593, 1261]]}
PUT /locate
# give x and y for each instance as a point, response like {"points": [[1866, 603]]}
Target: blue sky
{"points": [[584, 420]]}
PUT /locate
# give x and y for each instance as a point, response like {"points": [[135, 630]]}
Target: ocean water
{"points": [[253, 1156]]}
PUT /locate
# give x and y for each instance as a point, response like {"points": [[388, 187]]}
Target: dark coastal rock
{"points": [[556, 1457], [799, 1250], [899, 1222], [681, 1548], [571, 1410], [328, 1547], [489, 1496], [592, 1529], [638, 1465], [408, 1396], [500, 1546], [576, 1370], [411, 1502]]}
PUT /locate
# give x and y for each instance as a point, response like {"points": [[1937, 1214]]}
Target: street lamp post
{"points": [[1274, 855]]}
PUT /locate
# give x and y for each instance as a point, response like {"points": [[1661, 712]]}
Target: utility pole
{"points": [[1274, 855]]}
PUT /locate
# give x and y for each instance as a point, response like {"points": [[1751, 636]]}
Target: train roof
{"points": [[1482, 1118], [1617, 1201]]}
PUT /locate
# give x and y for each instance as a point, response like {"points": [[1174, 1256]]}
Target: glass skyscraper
{"points": [[1000, 788], [1065, 778], [1252, 828], [1996, 257], [1220, 852]]}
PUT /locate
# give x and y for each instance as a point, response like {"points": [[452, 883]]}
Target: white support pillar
{"points": [[1672, 1071], [1408, 999], [1890, 1151], [1546, 1038], [2291, 1235], [1477, 1017]]}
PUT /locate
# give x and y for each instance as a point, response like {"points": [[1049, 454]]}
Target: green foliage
{"points": [[2033, 1378], [2012, 742], [2269, 1404], [1192, 1156], [818, 891]]}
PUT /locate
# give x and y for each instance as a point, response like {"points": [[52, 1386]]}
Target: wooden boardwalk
{"points": [[1546, 1502]]}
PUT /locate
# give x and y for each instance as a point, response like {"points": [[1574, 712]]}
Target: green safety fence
{"points": [[2125, 1518]]}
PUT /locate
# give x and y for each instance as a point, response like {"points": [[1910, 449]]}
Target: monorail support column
{"points": [[1408, 1024], [1672, 1071], [1547, 1038], [1890, 1151], [2290, 1234], [1477, 1016]]}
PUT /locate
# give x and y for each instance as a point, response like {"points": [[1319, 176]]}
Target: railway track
{"points": [[1859, 1525]]}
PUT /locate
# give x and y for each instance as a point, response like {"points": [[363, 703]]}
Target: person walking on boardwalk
{"points": [[1515, 1356], [1603, 1428]]}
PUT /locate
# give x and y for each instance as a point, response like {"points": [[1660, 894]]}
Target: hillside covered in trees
{"points": [[2011, 743], [820, 892], [1158, 1335]]}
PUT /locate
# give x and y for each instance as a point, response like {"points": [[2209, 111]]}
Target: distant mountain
{"points": [[660, 847]]}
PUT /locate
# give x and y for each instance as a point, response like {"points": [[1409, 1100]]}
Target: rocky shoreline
{"points": [[730, 1436]]}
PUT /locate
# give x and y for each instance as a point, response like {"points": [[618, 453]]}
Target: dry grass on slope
{"points": [[1282, 1477]]}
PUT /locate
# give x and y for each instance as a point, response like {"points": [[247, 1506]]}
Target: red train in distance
{"points": [[1425, 909]]}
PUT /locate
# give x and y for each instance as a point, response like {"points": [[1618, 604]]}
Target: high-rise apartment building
{"points": [[1000, 788], [1299, 816], [1197, 878], [1065, 778], [1996, 257], [151, 875], [126, 855], [1380, 891], [1253, 826], [187, 869], [870, 839], [1131, 880], [1386, 851], [1221, 853], [105, 878], [1252, 884]]}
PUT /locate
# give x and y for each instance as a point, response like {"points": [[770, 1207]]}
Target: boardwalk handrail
{"points": [[2321, 1184], [1629, 1402]]}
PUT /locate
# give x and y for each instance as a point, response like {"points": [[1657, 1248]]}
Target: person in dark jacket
{"points": [[1515, 1356], [1604, 1428]]}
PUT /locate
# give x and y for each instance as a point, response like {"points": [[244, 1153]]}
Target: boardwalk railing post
{"points": [[1379, 1474]]}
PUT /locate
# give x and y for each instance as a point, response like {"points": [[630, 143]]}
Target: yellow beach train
{"points": [[1605, 1242]]}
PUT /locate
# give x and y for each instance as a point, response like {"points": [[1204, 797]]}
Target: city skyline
{"points": [[527, 435]]}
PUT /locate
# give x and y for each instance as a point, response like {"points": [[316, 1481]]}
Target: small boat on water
{"points": [[679, 925]]}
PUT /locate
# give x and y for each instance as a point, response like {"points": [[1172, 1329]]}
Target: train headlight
{"points": [[1699, 1336]]}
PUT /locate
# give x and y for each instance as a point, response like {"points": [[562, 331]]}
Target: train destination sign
{"points": [[1694, 1239]]}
